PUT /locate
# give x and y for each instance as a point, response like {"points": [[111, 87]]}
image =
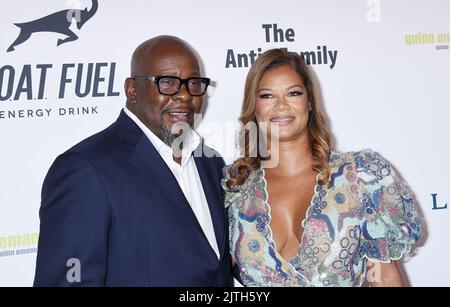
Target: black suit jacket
{"points": [[112, 203]]}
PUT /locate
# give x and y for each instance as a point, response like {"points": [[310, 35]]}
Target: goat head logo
{"points": [[58, 22]]}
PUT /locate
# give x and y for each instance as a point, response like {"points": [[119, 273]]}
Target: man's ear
{"points": [[130, 90]]}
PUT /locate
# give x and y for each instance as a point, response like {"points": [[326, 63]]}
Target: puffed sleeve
{"points": [[390, 223]]}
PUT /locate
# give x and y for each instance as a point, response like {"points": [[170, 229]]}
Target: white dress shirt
{"points": [[186, 175]]}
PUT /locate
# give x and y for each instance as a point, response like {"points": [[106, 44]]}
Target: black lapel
{"points": [[213, 193], [149, 162]]}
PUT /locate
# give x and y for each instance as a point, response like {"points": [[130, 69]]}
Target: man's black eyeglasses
{"points": [[170, 85]]}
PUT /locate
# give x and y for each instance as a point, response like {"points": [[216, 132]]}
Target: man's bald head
{"points": [[150, 51]]}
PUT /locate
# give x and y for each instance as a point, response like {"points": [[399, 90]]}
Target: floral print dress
{"points": [[364, 213]]}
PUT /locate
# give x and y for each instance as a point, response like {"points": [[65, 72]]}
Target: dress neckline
{"points": [[303, 222]]}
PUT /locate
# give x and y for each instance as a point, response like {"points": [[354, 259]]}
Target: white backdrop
{"points": [[387, 89]]}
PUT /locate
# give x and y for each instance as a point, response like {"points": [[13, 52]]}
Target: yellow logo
{"points": [[440, 40], [18, 244]]}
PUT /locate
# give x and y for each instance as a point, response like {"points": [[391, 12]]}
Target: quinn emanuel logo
{"points": [[58, 22], [18, 244], [441, 41]]}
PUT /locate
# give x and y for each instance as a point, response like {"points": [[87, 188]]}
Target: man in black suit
{"points": [[126, 209]]}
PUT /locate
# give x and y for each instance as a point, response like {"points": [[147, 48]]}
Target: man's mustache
{"points": [[176, 109]]}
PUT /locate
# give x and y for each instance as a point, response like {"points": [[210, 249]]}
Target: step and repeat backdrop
{"points": [[383, 70]]}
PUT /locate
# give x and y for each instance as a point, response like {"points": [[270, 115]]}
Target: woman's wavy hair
{"points": [[318, 129]]}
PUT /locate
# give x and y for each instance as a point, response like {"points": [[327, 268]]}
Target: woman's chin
{"points": [[288, 135]]}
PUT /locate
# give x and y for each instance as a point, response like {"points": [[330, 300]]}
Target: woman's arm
{"points": [[384, 274]]}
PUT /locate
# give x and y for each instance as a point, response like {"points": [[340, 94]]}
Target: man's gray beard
{"points": [[167, 137]]}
